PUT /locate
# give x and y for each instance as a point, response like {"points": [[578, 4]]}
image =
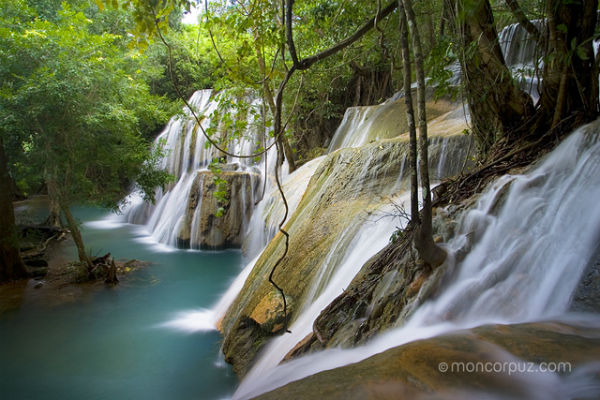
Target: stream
{"points": [[117, 343]]}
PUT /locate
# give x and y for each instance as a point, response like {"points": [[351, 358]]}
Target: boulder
{"points": [[201, 227], [493, 361], [587, 295]]}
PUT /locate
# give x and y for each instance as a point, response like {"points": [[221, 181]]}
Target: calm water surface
{"points": [[111, 345]]}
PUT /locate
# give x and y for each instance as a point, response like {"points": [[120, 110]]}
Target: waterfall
{"points": [[265, 219], [518, 47], [523, 56], [531, 236], [188, 155], [367, 124], [359, 241], [374, 171]]}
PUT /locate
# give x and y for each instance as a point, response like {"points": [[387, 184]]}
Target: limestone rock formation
{"points": [[201, 228], [348, 187], [462, 364]]}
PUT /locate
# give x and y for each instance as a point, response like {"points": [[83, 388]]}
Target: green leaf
{"points": [[581, 53]]}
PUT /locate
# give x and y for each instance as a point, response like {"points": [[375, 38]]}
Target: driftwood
{"points": [[111, 274], [101, 260]]}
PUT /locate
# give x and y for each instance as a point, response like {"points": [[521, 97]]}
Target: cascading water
{"points": [[532, 237], [269, 211], [518, 47], [523, 55], [188, 154], [364, 118], [366, 124], [359, 241]]}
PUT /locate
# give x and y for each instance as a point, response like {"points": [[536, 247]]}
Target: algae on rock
{"points": [[417, 370], [347, 188], [201, 227]]}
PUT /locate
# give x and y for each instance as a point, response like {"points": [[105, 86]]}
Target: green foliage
{"points": [[151, 175], [220, 192], [193, 64], [72, 109], [438, 63]]}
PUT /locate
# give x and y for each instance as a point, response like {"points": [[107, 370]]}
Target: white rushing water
{"points": [[362, 238], [532, 241], [188, 151], [358, 121], [269, 212]]}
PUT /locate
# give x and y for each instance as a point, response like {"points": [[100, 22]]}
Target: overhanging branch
{"points": [[519, 14], [305, 63]]}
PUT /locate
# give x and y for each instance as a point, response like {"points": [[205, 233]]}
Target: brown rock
{"points": [[201, 227], [413, 371]]}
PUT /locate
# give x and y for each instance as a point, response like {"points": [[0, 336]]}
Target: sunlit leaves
{"points": [[74, 106]]}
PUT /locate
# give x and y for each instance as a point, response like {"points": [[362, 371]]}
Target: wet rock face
{"points": [[346, 188], [470, 364], [251, 333], [201, 228], [587, 294]]}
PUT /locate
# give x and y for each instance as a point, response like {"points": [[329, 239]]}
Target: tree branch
{"points": [[519, 14], [193, 112], [305, 63]]}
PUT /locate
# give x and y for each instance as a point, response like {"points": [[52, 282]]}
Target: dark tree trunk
{"points": [[54, 206], [268, 95], [519, 14], [111, 274], [570, 76], [498, 107], [410, 116], [11, 265]]}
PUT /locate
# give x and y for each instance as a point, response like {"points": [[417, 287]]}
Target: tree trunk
{"points": [[111, 274], [268, 94], [520, 16], [570, 74], [54, 206], [429, 29], [83, 257], [498, 107], [11, 265], [429, 252], [410, 116]]}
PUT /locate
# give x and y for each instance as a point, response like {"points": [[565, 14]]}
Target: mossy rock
{"points": [[416, 370]]}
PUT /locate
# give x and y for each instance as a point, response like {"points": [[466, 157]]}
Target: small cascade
{"points": [[360, 120], [518, 47], [367, 124], [182, 213], [269, 212], [530, 238], [523, 55]]}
